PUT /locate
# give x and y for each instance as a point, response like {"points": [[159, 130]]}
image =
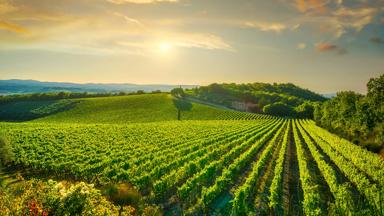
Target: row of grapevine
{"points": [[229, 174], [190, 190], [373, 192], [170, 181], [341, 192], [366, 161], [276, 189], [159, 164], [312, 200], [241, 201]]}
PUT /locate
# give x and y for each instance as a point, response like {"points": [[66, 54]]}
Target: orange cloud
{"points": [[328, 47], [301, 5], [325, 47], [12, 27], [307, 5]]}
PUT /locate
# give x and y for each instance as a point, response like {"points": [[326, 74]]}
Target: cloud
{"points": [[337, 17], [328, 47], [6, 7], [312, 5], [203, 41], [377, 40], [356, 18], [129, 20], [325, 47], [141, 1], [12, 27], [184, 40], [275, 27]]}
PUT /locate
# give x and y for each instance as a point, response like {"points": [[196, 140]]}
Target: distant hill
{"points": [[116, 109], [16, 86], [329, 95]]}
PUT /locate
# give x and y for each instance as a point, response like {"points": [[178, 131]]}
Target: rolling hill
{"points": [[117, 109], [16, 86]]}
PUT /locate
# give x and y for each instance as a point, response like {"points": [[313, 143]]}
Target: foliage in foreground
{"points": [[35, 197]]}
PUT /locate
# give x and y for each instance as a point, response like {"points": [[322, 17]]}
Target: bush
{"points": [[36, 197]]}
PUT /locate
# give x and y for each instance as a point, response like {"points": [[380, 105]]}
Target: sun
{"points": [[165, 47]]}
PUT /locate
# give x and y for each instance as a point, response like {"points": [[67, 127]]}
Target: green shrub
{"points": [[36, 197]]}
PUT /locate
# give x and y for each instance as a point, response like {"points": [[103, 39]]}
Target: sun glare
{"points": [[165, 47]]}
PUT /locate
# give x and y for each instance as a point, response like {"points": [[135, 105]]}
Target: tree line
{"points": [[356, 117], [64, 95]]}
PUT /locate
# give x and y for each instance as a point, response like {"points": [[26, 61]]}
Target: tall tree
{"points": [[181, 105]]}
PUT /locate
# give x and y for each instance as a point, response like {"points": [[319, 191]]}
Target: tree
{"points": [[177, 92], [356, 117], [181, 105], [305, 110], [278, 109], [375, 96]]}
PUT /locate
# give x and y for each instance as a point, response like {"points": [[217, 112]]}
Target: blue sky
{"points": [[323, 45]]}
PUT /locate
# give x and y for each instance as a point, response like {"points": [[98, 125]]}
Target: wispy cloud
{"points": [[129, 19], [12, 27], [140, 1], [264, 26], [355, 18], [203, 41], [183, 40]]}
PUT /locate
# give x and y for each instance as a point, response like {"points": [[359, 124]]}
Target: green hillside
{"points": [[136, 108]]}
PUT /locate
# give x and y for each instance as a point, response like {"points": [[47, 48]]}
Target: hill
{"points": [[16, 86], [276, 99], [116, 109]]}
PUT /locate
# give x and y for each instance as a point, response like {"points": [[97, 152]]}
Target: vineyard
{"points": [[138, 109], [229, 167]]}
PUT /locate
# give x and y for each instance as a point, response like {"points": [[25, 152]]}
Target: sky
{"points": [[323, 45]]}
